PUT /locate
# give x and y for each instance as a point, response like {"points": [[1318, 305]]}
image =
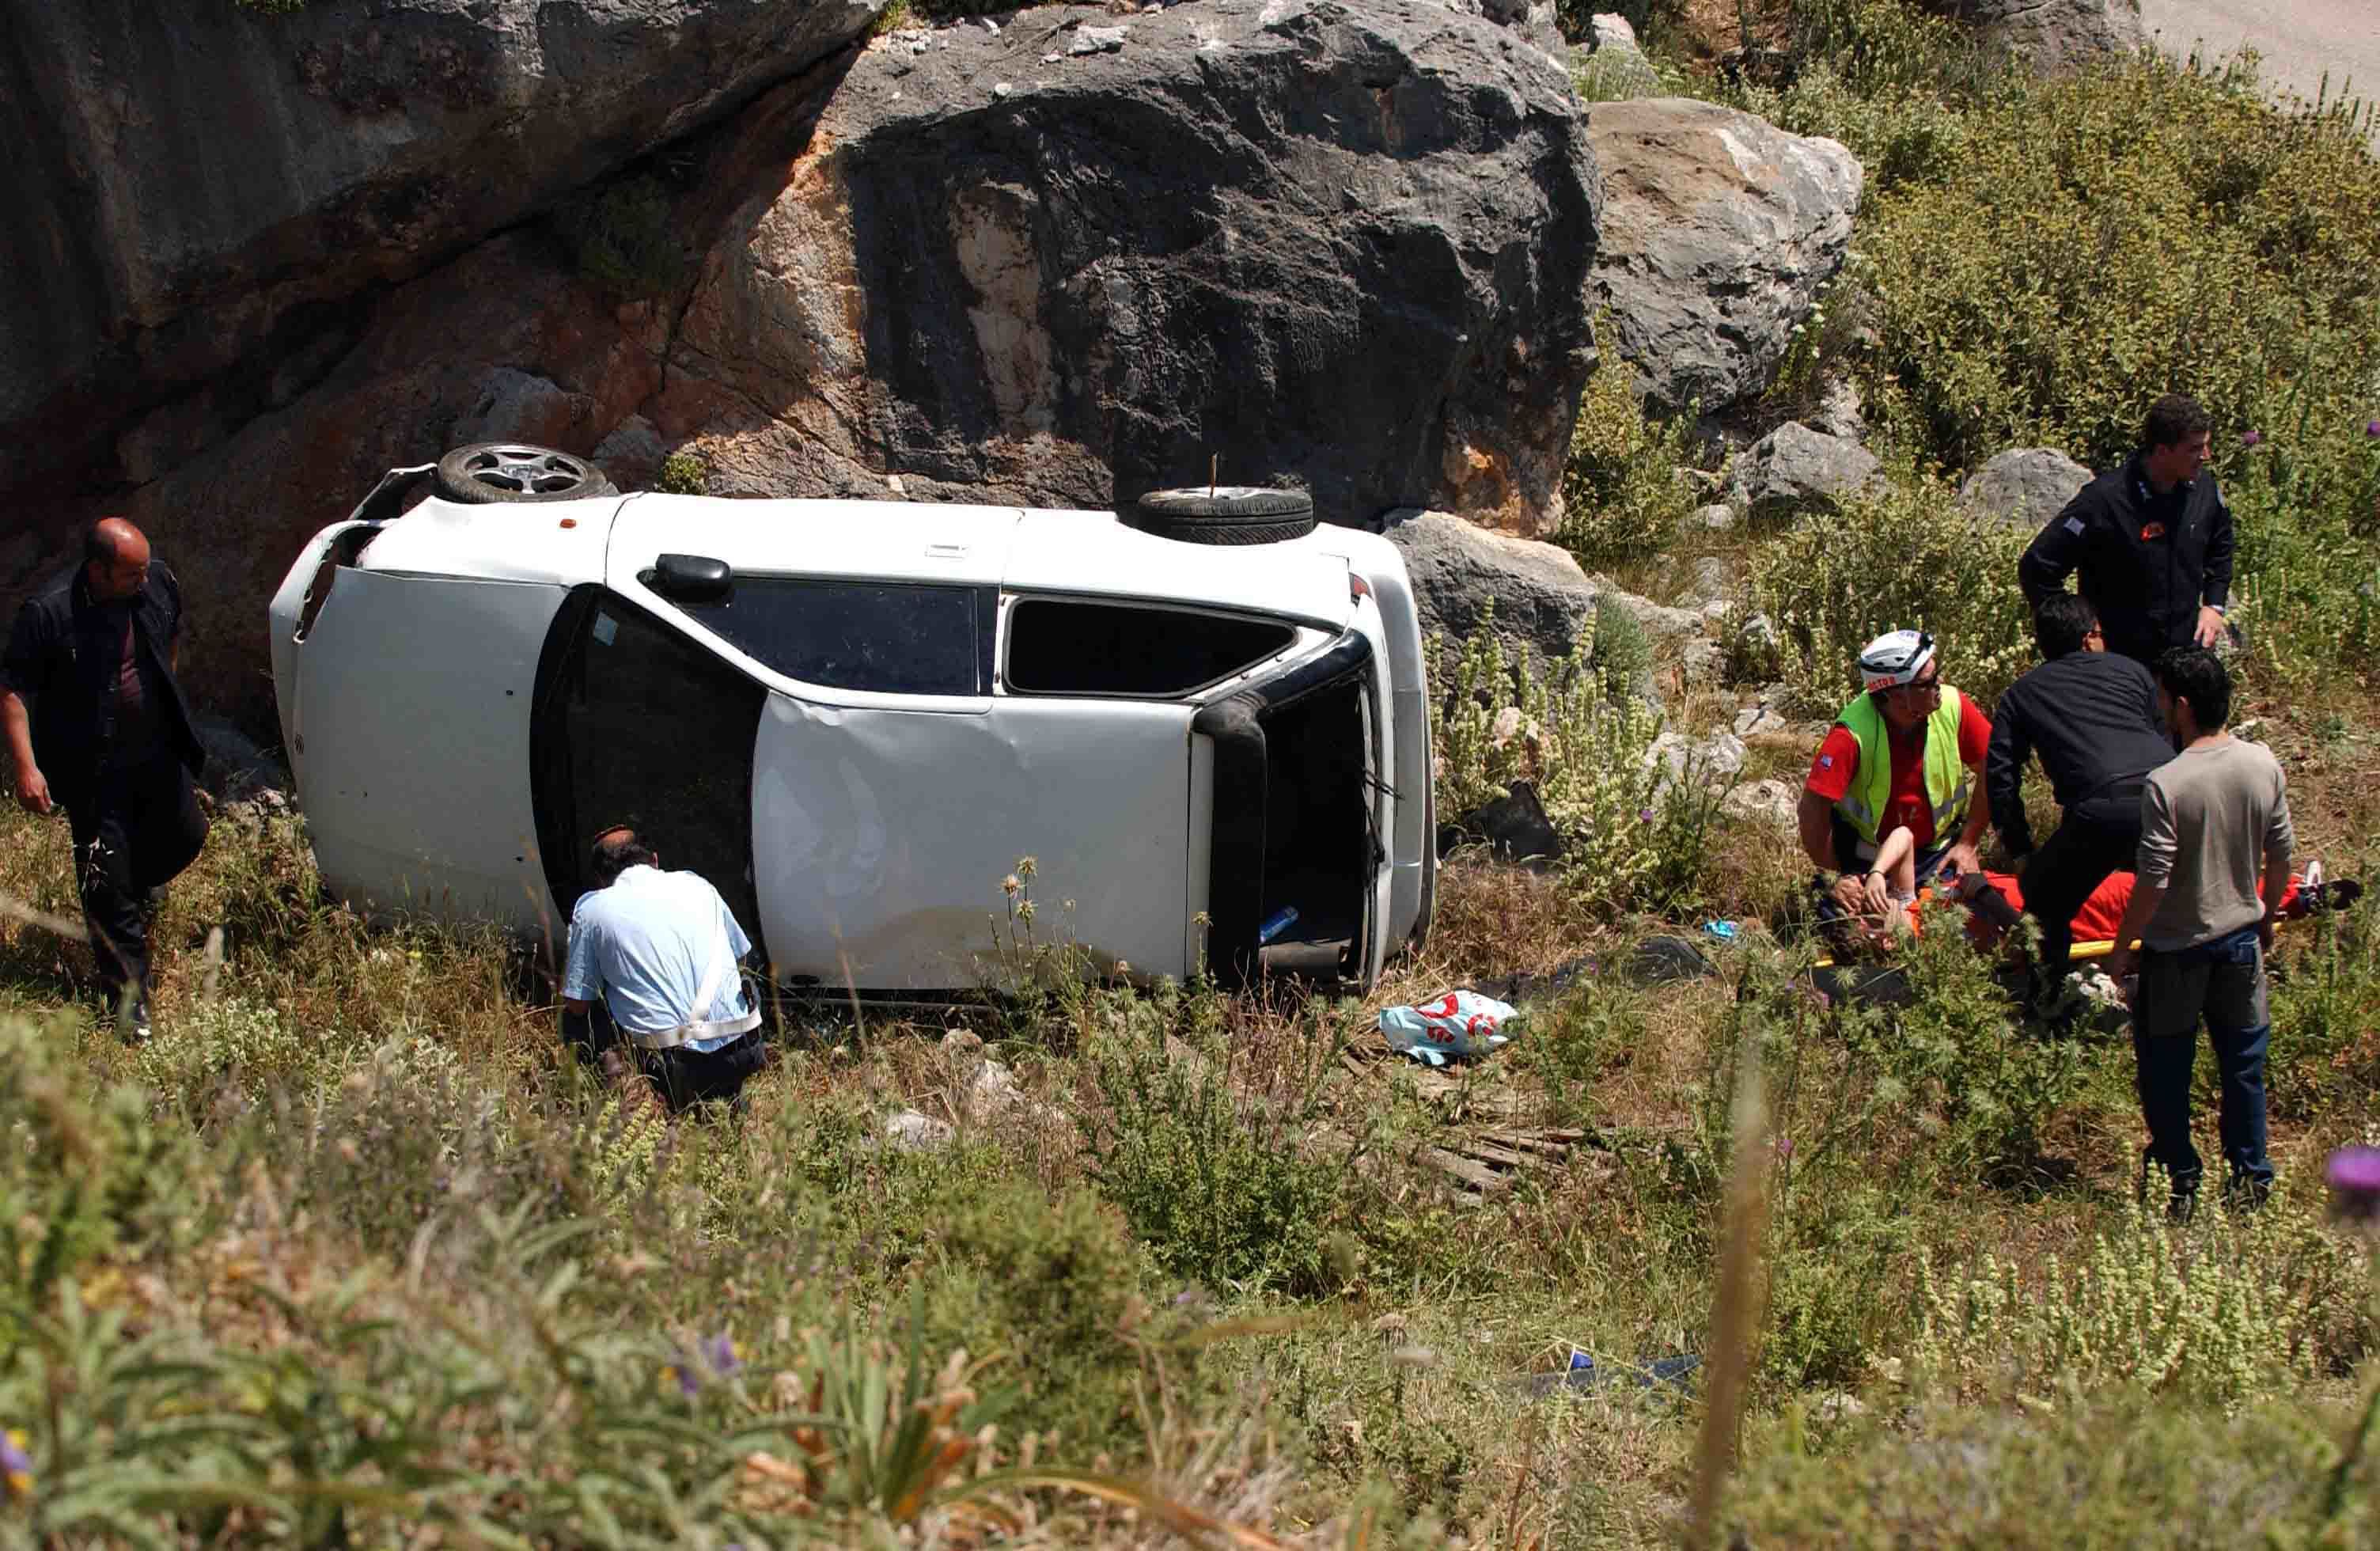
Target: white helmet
{"points": [[1896, 657]]}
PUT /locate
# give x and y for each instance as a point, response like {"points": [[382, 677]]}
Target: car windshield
{"points": [[888, 636]]}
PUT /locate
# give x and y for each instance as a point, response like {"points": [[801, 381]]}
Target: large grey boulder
{"points": [[2052, 37], [197, 184], [1543, 599], [1718, 231], [2023, 486], [1794, 469], [1340, 244]]}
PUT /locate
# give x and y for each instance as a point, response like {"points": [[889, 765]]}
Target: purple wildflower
{"points": [[689, 1383], [2371, 429], [14, 1461], [1784, 1149], [2249, 438], [2355, 1183], [1645, 815], [720, 1353]]}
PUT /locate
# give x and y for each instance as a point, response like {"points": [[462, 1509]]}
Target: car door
{"points": [[884, 838]]}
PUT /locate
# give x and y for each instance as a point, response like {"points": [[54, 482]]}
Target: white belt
{"points": [[687, 1034], [723, 961]]}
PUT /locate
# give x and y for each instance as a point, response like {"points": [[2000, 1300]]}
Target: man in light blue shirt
{"points": [[653, 964]]}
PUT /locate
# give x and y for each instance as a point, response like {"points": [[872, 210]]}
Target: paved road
{"points": [[2298, 38]]}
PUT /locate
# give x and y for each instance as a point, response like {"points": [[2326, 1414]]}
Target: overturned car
{"points": [[1208, 726]]}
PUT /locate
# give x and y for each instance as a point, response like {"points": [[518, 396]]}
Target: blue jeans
{"points": [[2221, 982]]}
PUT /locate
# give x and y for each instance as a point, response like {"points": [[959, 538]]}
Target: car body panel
{"points": [[416, 784], [561, 542], [892, 540], [882, 837], [1091, 553]]}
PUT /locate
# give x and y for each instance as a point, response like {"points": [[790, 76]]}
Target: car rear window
{"points": [[888, 636], [1065, 647]]}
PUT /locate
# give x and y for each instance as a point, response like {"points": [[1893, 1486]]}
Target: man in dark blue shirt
{"points": [[2091, 716], [2151, 540], [94, 724]]}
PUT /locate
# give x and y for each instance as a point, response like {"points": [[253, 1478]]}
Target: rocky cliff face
{"points": [[1342, 245], [1066, 261], [199, 187]]}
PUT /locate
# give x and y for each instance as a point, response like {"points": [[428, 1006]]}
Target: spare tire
{"points": [[488, 472], [1228, 515]]}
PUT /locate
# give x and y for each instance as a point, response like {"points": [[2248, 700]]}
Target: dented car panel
{"points": [[883, 707], [883, 838]]}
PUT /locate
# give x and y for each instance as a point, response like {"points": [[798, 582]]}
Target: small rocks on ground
{"points": [[1767, 801]]}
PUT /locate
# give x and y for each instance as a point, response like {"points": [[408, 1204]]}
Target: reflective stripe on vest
{"points": [[1946, 783]]}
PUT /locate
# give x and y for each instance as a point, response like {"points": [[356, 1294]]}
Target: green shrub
{"points": [[1633, 837], [682, 474], [1222, 1188], [2046, 256], [2235, 1308], [1621, 492], [1052, 1288], [2127, 1472], [627, 238], [1905, 557]]}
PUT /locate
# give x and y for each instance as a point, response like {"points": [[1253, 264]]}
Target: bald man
{"points": [[95, 724]]}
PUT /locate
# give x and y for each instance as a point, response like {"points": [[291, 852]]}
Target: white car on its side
{"points": [[854, 717]]}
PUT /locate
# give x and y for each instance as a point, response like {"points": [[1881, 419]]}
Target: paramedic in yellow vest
{"points": [[1908, 752]]}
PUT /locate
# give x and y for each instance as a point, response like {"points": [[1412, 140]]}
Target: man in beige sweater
{"points": [[2211, 819]]}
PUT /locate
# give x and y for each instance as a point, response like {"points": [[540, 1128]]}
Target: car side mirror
{"points": [[688, 578]]}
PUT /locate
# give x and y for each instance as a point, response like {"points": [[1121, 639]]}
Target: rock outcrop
{"points": [[194, 187], [2052, 37], [2024, 487], [1543, 599], [1718, 230], [1794, 469], [1340, 245]]}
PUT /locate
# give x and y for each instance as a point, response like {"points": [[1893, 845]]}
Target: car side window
{"points": [[1060, 646], [894, 637]]}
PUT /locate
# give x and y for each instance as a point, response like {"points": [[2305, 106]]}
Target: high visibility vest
{"points": [[1870, 787]]}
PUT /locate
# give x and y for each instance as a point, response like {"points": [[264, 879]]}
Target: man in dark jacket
{"points": [[107, 737], [2151, 540], [2092, 715]]}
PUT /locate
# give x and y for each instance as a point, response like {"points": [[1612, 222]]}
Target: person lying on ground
{"points": [[1995, 900]]}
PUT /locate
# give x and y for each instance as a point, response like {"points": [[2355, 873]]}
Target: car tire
{"points": [[1227, 514], [489, 473]]}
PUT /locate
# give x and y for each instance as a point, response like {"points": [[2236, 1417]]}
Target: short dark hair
{"points": [[2061, 622], [2173, 419], [2197, 675], [616, 849]]}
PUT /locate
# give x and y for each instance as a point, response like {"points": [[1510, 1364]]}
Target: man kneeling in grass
{"points": [[2211, 819], [652, 961]]}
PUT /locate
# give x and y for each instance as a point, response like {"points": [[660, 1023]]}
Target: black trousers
{"points": [[2095, 837], [684, 1078], [133, 834]]}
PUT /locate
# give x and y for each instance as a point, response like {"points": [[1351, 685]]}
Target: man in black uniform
{"points": [[2152, 540], [107, 738], [2093, 717]]}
